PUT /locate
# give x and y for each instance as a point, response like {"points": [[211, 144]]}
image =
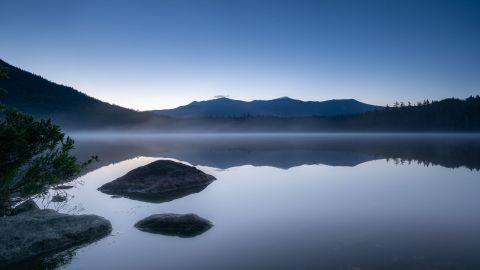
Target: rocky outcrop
{"points": [[36, 233], [188, 225], [28, 205], [159, 181]]}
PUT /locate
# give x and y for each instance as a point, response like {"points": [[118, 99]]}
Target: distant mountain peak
{"points": [[284, 98], [221, 98]]}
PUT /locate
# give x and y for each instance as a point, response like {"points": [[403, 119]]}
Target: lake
{"points": [[289, 201]]}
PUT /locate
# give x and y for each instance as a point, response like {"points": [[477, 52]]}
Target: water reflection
{"points": [[274, 207], [287, 151], [372, 216]]}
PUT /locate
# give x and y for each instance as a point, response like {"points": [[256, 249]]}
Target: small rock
{"points": [[188, 225]]}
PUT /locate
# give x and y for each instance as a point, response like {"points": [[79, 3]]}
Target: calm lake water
{"points": [[288, 201]]}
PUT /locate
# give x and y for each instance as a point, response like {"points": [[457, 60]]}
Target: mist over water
{"points": [[285, 201], [285, 150]]}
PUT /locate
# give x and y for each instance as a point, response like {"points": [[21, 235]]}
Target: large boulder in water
{"points": [[159, 181], [188, 225], [37, 233]]}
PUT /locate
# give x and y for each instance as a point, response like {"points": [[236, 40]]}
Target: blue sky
{"points": [[162, 54]]}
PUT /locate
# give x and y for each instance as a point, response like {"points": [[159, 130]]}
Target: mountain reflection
{"points": [[286, 151]]}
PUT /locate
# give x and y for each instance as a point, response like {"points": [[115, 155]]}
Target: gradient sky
{"points": [[162, 54]]}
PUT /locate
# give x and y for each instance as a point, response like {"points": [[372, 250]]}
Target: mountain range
{"points": [[280, 107]]}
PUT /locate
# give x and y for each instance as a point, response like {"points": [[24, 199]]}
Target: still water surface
{"points": [[292, 202]]}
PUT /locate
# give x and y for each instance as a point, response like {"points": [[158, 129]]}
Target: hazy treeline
{"points": [[446, 115]]}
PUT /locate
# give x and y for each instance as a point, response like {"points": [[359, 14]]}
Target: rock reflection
{"points": [[56, 261], [185, 226]]}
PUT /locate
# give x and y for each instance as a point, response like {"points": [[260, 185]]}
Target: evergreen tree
{"points": [[34, 155]]}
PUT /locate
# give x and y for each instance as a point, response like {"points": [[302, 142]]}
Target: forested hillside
{"points": [[37, 96]]}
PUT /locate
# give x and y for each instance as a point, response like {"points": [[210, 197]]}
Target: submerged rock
{"points": [[62, 187], [37, 233], [159, 181], [28, 205], [188, 225]]}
